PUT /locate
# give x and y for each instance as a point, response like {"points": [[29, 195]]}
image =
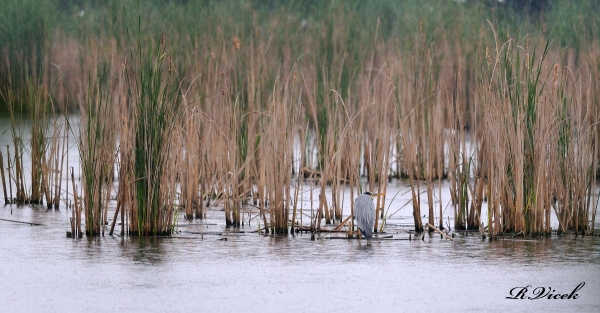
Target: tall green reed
{"points": [[153, 87]]}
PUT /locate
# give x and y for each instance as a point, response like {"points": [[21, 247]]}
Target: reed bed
{"points": [[242, 110]]}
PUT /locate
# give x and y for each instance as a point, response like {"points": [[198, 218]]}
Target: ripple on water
{"points": [[44, 271]]}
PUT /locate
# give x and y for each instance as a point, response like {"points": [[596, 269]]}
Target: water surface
{"points": [[221, 271]]}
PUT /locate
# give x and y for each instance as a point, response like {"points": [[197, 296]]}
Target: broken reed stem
{"points": [[439, 231], [341, 225], [114, 221]]}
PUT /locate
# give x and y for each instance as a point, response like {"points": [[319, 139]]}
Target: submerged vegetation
{"points": [[240, 103]]}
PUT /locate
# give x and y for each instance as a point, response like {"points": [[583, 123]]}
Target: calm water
{"points": [[42, 270], [205, 267]]}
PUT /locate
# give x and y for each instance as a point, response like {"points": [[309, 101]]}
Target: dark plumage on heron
{"points": [[364, 212]]}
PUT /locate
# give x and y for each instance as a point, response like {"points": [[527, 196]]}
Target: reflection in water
{"points": [[145, 250], [365, 249], [249, 270], [559, 249]]}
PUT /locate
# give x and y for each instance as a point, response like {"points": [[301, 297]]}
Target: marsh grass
{"points": [[213, 111], [531, 115]]}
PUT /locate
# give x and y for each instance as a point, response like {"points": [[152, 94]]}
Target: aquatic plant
{"points": [[154, 91], [246, 95]]}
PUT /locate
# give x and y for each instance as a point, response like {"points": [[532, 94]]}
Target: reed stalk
{"points": [[59, 177], [6, 196], [77, 208], [10, 177]]}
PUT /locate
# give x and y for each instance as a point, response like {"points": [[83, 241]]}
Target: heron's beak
{"points": [[377, 195]]}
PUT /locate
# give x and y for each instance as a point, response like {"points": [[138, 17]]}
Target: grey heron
{"points": [[364, 211]]}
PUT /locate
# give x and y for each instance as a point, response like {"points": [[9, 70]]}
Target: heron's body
{"points": [[364, 211]]}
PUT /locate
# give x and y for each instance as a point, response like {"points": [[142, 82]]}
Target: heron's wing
{"points": [[364, 210], [370, 215]]}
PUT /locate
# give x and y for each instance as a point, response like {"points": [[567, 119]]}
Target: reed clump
{"points": [[155, 104]]}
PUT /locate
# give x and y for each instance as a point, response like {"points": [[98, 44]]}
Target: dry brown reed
{"points": [[54, 164], [4, 193], [97, 143], [191, 196], [76, 213]]}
